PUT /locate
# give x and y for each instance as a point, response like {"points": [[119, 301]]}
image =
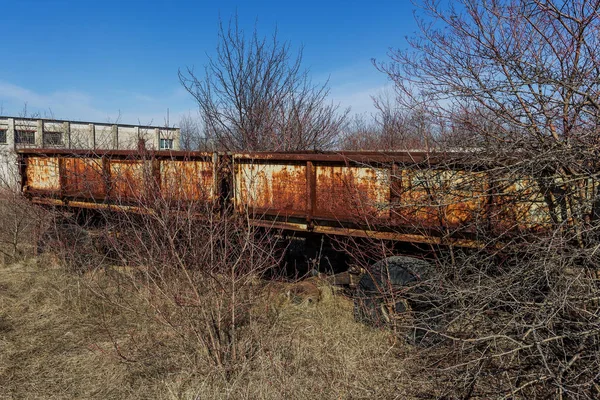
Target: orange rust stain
{"points": [[83, 177], [289, 188], [129, 178], [274, 188], [440, 198], [352, 193], [186, 180], [43, 173]]}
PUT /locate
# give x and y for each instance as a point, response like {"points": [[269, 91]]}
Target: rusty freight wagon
{"points": [[410, 196]]}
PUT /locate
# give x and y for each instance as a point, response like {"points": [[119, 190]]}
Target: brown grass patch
{"points": [[65, 336]]}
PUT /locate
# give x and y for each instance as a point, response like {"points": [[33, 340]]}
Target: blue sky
{"points": [[98, 59]]}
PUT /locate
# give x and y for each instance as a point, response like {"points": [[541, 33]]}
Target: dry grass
{"points": [[59, 339]]}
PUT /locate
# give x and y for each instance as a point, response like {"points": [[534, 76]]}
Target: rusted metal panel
{"points": [[272, 188], [129, 178], [440, 198], [187, 180], [84, 178], [43, 174], [519, 203], [349, 193]]}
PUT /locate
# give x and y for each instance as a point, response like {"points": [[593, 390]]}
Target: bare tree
{"points": [[256, 96], [527, 68], [360, 133], [515, 83], [401, 128], [391, 128], [522, 77], [192, 137]]}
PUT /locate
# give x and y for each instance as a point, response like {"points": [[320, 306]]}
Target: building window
{"points": [[25, 137], [2, 136], [166, 144], [52, 138]]}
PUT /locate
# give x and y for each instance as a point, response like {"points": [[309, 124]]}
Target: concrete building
{"points": [[16, 132]]}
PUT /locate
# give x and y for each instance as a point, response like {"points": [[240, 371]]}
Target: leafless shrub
{"points": [[20, 225], [527, 328], [199, 270], [515, 85], [508, 307], [67, 237]]}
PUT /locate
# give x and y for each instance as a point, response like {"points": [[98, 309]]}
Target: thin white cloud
{"points": [[349, 88], [61, 104], [76, 105], [354, 86], [358, 100]]}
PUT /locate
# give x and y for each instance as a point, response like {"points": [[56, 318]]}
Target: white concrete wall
{"points": [[90, 135], [9, 171]]}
